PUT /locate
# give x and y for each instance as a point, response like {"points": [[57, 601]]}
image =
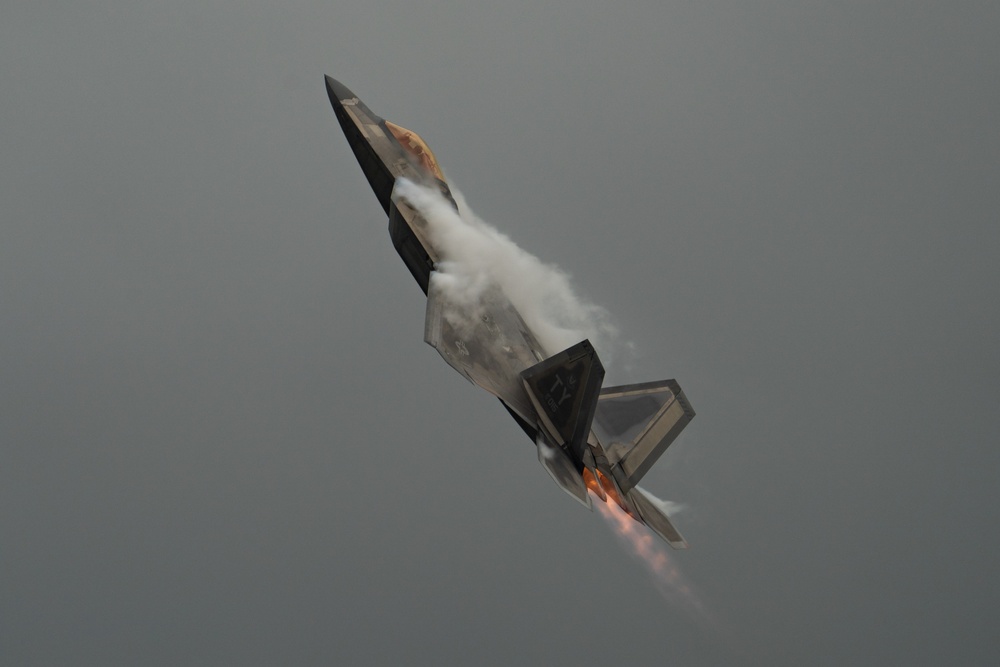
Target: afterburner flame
{"points": [[640, 541], [593, 485], [611, 490]]}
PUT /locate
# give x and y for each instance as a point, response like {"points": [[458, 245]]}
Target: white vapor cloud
{"points": [[668, 507], [476, 258]]}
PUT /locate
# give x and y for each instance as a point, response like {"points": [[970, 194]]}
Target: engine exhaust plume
{"points": [[652, 553]]}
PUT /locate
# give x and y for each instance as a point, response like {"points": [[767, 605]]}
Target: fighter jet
{"points": [[588, 437]]}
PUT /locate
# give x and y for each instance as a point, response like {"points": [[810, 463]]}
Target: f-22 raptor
{"points": [[588, 437]]}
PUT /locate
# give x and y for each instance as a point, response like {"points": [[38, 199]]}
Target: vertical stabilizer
{"points": [[564, 390], [636, 423]]}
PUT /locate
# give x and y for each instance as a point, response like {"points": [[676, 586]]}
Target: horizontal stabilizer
{"points": [[562, 471], [654, 515]]}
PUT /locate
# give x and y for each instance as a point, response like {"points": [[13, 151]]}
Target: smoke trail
{"points": [[475, 258]]}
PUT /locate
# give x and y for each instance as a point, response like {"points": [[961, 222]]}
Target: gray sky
{"points": [[223, 441]]}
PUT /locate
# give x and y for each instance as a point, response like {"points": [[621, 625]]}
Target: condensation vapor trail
{"points": [[476, 257]]}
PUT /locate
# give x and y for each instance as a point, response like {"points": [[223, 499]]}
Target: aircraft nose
{"points": [[337, 91]]}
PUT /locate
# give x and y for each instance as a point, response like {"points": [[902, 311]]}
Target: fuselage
{"points": [[489, 345]]}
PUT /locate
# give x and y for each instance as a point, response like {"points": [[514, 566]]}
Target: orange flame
{"points": [[593, 485], [667, 576]]}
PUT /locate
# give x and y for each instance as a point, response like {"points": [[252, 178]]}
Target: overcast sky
{"points": [[224, 442]]}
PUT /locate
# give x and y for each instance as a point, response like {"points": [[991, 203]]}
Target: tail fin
{"points": [[564, 390], [636, 423]]}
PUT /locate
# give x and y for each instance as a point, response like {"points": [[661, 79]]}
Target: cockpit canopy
{"points": [[417, 147]]}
